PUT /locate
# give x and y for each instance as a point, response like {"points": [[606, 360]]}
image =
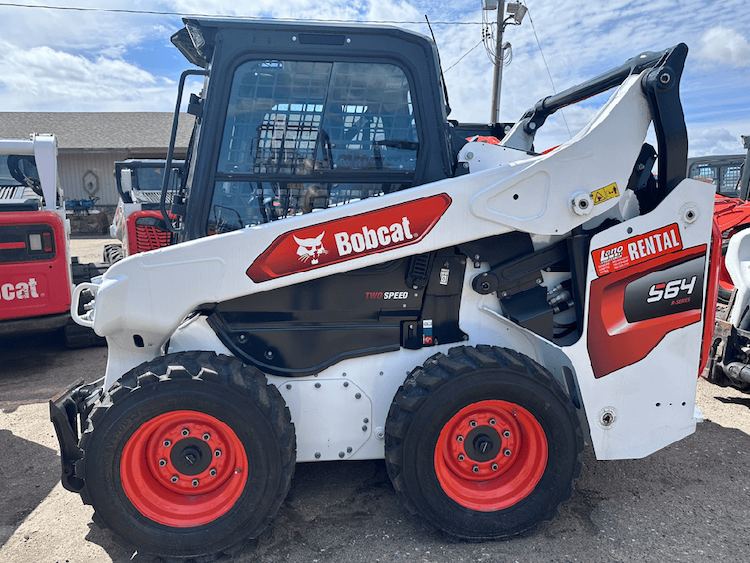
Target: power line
{"points": [[464, 56], [183, 14], [562, 112]]}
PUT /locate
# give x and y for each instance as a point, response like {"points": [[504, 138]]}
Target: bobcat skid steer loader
{"points": [[377, 288], [37, 271]]}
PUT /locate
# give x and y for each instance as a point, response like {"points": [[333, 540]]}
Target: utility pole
{"points": [[516, 12], [498, 74]]}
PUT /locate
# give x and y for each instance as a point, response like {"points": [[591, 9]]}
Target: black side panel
{"points": [[302, 329], [439, 321], [498, 249]]}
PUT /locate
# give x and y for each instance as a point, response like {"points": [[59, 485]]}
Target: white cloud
{"points": [[723, 45], [714, 140], [74, 30], [59, 81]]}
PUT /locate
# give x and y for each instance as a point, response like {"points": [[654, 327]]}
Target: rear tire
{"points": [[724, 295], [483, 443], [188, 455]]}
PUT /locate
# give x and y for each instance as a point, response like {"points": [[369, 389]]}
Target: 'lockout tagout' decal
{"points": [[349, 237]]}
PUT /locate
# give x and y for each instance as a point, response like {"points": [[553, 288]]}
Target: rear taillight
{"points": [[47, 241], [41, 242]]}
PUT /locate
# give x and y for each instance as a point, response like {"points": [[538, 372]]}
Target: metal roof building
{"points": [[89, 144]]}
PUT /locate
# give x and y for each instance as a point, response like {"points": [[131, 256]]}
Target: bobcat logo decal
{"points": [[310, 248], [348, 237]]}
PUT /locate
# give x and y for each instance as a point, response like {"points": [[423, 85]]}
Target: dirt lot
{"points": [[688, 502]]}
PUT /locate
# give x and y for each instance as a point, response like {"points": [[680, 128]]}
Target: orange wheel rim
{"points": [[183, 469], [490, 455]]}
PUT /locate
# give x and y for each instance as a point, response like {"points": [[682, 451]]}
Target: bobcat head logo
{"points": [[311, 248]]}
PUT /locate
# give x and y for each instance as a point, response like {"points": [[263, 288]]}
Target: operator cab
{"points": [[296, 118], [20, 188]]}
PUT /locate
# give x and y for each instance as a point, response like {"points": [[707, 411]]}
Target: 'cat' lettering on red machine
{"points": [[20, 290]]}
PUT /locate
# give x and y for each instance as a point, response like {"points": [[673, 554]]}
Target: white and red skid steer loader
{"points": [[377, 288]]}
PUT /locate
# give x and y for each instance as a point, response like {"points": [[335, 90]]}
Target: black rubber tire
{"points": [[225, 390], [724, 295], [81, 337], [112, 253], [433, 394]]}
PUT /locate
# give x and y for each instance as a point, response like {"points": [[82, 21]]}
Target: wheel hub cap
{"points": [[190, 456]]}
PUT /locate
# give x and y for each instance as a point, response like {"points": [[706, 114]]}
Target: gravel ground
{"points": [[688, 502], [89, 248]]}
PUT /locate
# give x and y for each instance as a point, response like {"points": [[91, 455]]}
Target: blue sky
{"points": [[65, 60]]}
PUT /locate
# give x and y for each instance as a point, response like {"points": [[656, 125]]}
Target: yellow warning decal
{"points": [[606, 193]]}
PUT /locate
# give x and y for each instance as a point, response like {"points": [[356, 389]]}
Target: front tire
{"points": [[112, 253], [483, 443], [189, 455]]}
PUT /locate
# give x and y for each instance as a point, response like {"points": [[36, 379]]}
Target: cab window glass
{"points": [[724, 176], [245, 204], [290, 120], [294, 117]]}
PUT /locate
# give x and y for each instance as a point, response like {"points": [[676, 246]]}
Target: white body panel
{"points": [[652, 400], [737, 261]]}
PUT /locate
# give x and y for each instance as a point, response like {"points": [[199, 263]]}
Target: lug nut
{"points": [[506, 434], [475, 469], [507, 452], [162, 462], [494, 467], [217, 453], [167, 443], [460, 439], [195, 482], [473, 423], [492, 422], [185, 432], [461, 457], [174, 478], [212, 472], [206, 437]]}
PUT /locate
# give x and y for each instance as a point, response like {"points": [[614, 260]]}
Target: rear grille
{"points": [[149, 238]]}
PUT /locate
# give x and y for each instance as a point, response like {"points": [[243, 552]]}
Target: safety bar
{"points": [[522, 135], [661, 88]]}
